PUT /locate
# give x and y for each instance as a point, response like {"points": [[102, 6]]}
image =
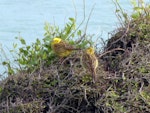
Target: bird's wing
{"points": [[59, 48], [87, 60], [68, 46]]}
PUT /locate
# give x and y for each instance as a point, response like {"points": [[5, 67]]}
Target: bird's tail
{"points": [[77, 48], [94, 77], [74, 49]]}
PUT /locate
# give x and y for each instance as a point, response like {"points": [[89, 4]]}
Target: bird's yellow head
{"points": [[56, 40], [90, 50]]}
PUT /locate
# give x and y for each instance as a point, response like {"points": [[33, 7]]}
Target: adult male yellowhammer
{"points": [[90, 61], [61, 47]]}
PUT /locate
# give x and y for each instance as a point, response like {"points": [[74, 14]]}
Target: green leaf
{"points": [[44, 55], [117, 10], [134, 3], [38, 41], [72, 20], [28, 47], [14, 45], [72, 35], [22, 41], [37, 47], [4, 63], [125, 15], [79, 33], [143, 70], [1, 89], [135, 15]]}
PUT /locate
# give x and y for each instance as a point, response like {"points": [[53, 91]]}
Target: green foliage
{"points": [[143, 70], [121, 14], [68, 29], [32, 57], [138, 23], [128, 95], [140, 9], [1, 89], [145, 96], [9, 67], [86, 78]]}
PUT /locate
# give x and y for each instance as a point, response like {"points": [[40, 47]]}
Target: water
{"points": [[27, 18]]}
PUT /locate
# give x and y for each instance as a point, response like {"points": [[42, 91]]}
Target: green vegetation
{"points": [[31, 57], [41, 83]]}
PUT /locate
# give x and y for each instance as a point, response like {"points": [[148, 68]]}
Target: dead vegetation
{"points": [[123, 82]]}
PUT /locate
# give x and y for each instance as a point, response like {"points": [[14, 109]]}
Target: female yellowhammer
{"points": [[62, 48], [90, 61]]}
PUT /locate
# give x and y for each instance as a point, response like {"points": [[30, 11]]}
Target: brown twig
{"points": [[83, 36], [121, 36], [116, 49]]}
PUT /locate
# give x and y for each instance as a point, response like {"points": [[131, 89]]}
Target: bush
{"points": [[38, 55], [123, 83]]}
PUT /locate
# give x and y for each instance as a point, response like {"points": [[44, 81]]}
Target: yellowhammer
{"points": [[90, 61], [61, 47]]}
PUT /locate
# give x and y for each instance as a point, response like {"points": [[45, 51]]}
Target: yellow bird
{"points": [[90, 61], [62, 48]]}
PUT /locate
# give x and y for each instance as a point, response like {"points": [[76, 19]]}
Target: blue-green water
{"points": [[27, 18]]}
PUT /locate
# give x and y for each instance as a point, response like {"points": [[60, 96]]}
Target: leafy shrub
{"points": [[39, 54]]}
